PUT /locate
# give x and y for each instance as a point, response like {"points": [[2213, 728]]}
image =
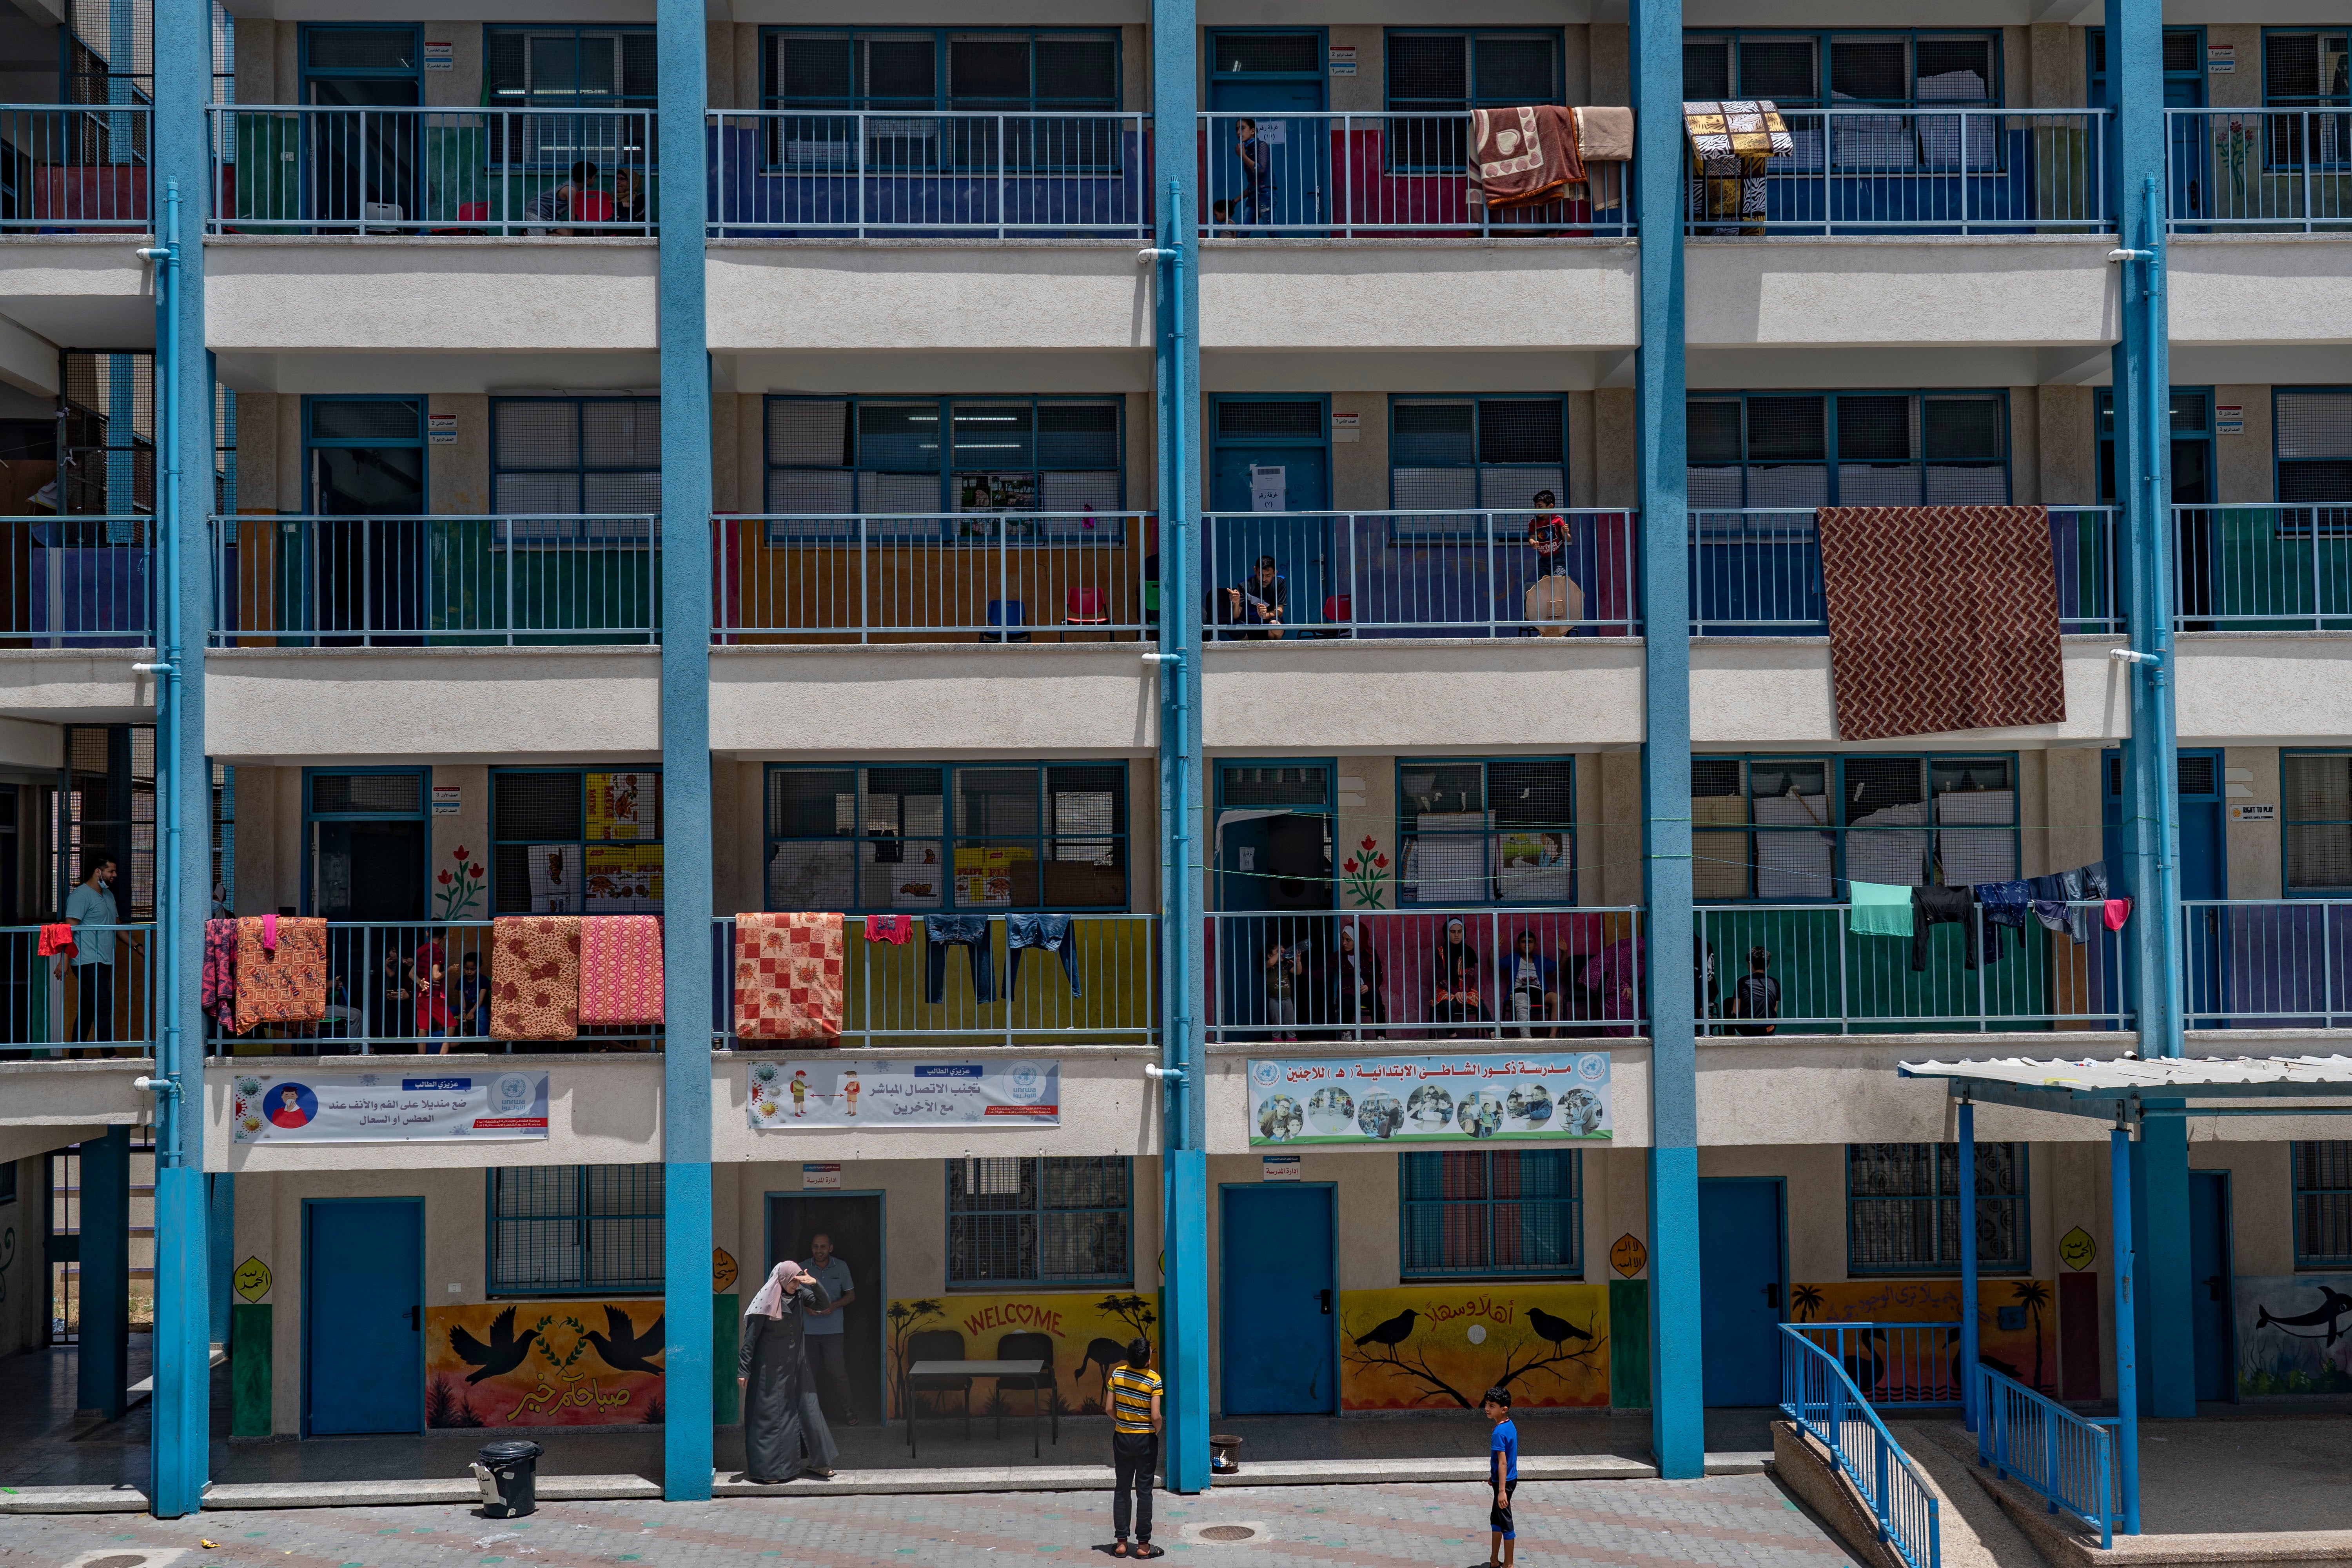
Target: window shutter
{"points": [[1428, 70], [1512, 71]]}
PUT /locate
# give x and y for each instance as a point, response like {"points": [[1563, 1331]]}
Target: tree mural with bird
{"points": [[1512, 1345], [503, 1353], [2034, 1295], [622, 1348], [1807, 1301]]}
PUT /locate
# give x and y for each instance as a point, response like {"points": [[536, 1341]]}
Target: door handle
{"points": [[2213, 1287], [1326, 1296], [416, 1317], [1773, 1295]]}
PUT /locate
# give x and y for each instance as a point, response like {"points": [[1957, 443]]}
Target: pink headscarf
{"points": [[770, 1299]]}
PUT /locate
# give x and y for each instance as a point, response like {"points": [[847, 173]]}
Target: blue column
{"points": [[2160, 1173], [1969, 1264], [179, 1449], [1677, 1400], [2119, 1180], [686, 754], [1184, 1332], [100, 1365]]}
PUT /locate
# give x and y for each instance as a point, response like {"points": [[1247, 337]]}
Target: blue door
{"points": [[1740, 1292], [2210, 1291], [1278, 1296], [1268, 150], [362, 1315], [1270, 482], [2204, 875]]}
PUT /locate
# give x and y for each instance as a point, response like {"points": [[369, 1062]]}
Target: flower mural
{"points": [[1365, 874], [458, 889]]}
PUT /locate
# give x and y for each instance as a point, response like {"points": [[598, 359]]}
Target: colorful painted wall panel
{"points": [[2295, 1334], [2017, 1327], [1441, 1347], [1090, 1334], [543, 1363]]}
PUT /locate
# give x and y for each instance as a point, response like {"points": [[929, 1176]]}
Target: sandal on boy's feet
{"points": [[1119, 1547], [1145, 1549]]}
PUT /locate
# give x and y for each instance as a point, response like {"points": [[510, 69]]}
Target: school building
{"points": [[711, 459]]}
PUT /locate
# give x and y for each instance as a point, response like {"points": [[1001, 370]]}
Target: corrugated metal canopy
{"points": [[2105, 1088]]}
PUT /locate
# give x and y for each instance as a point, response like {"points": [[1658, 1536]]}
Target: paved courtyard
{"points": [[1742, 1519]]}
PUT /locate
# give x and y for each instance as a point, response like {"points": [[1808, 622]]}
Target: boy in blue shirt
{"points": [[1503, 1468]]}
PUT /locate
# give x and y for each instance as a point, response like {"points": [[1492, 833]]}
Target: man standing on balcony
{"points": [[829, 1369], [90, 907], [1257, 173]]}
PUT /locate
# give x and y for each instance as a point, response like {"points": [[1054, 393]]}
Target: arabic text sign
{"points": [[334, 1107], [1428, 1100], [832, 1092]]}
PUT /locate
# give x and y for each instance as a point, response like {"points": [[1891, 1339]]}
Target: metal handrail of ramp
{"points": [[2067, 1458], [1822, 1399]]}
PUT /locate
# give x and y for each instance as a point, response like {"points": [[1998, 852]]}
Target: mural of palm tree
{"points": [[1807, 1300], [904, 1318], [2033, 1295]]}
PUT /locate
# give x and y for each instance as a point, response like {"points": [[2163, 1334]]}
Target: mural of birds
{"points": [[622, 1348], [1393, 1332], [502, 1354], [1103, 1354], [1557, 1330]]}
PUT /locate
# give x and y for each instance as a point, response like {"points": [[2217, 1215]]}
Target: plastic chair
{"points": [[1029, 1347], [1008, 614], [935, 1344], [1341, 608], [1084, 608], [591, 207], [472, 218]]}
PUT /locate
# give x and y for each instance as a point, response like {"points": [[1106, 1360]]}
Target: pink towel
{"points": [[621, 969], [270, 934], [2118, 911], [893, 929]]}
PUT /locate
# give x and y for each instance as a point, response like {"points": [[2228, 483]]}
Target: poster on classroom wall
{"points": [[1441, 1347], [1428, 1100], [1089, 1332], [315, 1107], [543, 1363], [885, 1094], [2295, 1334], [2017, 1332]]}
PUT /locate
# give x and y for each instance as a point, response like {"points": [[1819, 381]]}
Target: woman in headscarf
{"points": [[1456, 995], [783, 1431]]}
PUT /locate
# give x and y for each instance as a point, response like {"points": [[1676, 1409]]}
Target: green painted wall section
{"points": [[726, 1344], [249, 1370], [1629, 1344]]}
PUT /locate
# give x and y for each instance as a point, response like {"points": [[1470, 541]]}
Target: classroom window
{"points": [[1806, 449], [1004, 70], [1039, 1220], [1903, 1208], [1474, 832], [1476, 453], [569, 67], [1430, 71], [1782, 829], [1493, 1213], [2323, 1204], [570, 841], [576, 471], [2316, 827], [2314, 437], [1029, 469], [575, 1229], [2303, 69], [1894, 69], [1020, 836]]}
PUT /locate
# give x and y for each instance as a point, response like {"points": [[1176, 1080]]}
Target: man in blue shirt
{"points": [[90, 909], [1503, 1468], [822, 1337]]}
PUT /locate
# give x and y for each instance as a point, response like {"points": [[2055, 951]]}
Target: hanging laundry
{"points": [[895, 930], [2049, 902], [535, 977], [2005, 904], [2118, 911], [1055, 933], [56, 939], [281, 971], [788, 976], [1604, 134], [1730, 143], [1521, 156], [1880, 908], [621, 970], [970, 933], [216, 994], [1941, 618], [1937, 905]]}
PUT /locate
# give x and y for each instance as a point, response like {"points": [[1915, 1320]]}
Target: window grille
{"points": [[1792, 829], [1889, 69], [2314, 437], [1009, 70], [1473, 832], [2317, 830], [1802, 450], [1039, 1220], [575, 1229], [1474, 453], [572, 841], [554, 458], [1492, 1214], [2323, 1204], [1903, 1208]]}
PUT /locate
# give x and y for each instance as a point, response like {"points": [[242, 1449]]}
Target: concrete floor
{"points": [[41, 1443]]}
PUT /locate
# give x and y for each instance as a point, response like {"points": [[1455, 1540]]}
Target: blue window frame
{"points": [[382, 51], [2184, 65], [1903, 1208], [2316, 823], [568, 68], [390, 430], [1794, 829], [1435, 69], [1040, 1220], [576, 471], [1895, 68], [1807, 449], [575, 1230], [570, 841], [2191, 417], [1489, 1214], [338, 801], [922, 836], [1485, 454], [1009, 69], [2310, 67], [2323, 1203], [923, 469], [1474, 832], [2311, 450]]}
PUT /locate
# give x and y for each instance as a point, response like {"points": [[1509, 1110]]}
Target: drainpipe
{"points": [[169, 1086]]}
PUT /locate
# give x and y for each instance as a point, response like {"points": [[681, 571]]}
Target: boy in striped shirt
{"points": [[1134, 1392]]}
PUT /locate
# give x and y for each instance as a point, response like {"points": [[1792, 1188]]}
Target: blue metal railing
{"points": [[2263, 567], [2275, 171], [52, 1005], [2266, 963], [1897, 1366], [1819, 1396], [75, 168], [2065, 1458]]}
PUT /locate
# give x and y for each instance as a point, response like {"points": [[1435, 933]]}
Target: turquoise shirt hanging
{"points": [[1880, 908]]}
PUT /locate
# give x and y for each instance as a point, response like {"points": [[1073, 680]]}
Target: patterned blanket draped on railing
{"points": [[788, 969], [535, 977]]}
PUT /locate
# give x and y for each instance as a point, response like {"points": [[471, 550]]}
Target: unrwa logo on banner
{"points": [[1265, 1075], [1593, 1067], [509, 1093], [1024, 1083]]}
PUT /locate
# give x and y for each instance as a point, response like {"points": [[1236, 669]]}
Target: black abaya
{"points": [[777, 1442]]}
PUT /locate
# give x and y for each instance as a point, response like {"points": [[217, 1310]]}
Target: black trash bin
{"points": [[513, 1464]]}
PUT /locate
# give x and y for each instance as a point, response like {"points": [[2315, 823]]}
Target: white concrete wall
{"points": [[47, 1104], [1384, 695], [1775, 691], [1832, 292]]}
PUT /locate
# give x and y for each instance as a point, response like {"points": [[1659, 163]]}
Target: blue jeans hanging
{"points": [[1056, 933], [969, 932]]}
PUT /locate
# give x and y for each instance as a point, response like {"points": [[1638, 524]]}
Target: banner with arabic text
{"points": [[1430, 1099], [543, 1363], [832, 1092], [402, 1106]]}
